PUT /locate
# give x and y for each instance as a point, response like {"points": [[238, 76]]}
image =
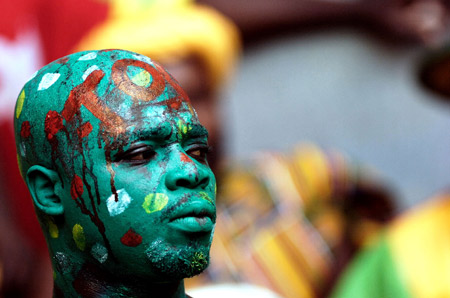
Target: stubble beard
{"points": [[175, 263]]}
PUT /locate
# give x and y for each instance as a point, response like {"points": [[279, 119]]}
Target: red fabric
{"points": [[16, 16], [15, 192], [60, 24]]}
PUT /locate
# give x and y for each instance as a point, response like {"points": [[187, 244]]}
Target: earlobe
{"points": [[41, 183]]}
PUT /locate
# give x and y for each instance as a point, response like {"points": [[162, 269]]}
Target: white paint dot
{"points": [[47, 80], [23, 149], [116, 208], [89, 71], [88, 56], [99, 252]]}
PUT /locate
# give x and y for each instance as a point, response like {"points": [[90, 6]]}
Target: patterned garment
{"points": [[290, 223], [411, 260]]}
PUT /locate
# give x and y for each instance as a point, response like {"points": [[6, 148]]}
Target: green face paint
{"points": [[129, 157]]}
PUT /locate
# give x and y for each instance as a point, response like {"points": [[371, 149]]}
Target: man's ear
{"points": [[41, 183]]}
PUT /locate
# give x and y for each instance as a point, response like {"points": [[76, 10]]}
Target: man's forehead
{"points": [[160, 122], [105, 81], [115, 86]]}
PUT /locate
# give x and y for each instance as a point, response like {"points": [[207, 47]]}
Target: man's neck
{"points": [[91, 282]]}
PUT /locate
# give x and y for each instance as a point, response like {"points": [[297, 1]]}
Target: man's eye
{"points": [[199, 153], [137, 156]]}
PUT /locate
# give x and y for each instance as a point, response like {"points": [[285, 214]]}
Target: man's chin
{"points": [[173, 262]]}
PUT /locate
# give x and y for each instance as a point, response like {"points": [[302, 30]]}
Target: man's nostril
{"points": [[183, 183]]}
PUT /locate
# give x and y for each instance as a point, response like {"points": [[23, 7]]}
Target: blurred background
{"points": [[327, 121]]}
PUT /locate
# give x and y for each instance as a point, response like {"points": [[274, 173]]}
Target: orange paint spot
{"points": [[185, 158]]}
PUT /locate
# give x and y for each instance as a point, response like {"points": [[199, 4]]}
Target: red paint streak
{"points": [[173, 83], [131, 238], [185, 158], [62, 60], [83, 94], [53, 123], [71, 106], [25, 129], [123, 82], [84, 130], [76, 189]]}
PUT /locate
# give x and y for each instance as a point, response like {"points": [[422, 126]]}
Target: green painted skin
{"points": [[114, 157]]}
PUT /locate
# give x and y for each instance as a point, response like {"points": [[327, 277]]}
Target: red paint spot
{"points": [[174, 103], [25, 129], [76, 189], [131, 238], [71, 106], [53, 123], [84, 130], [185, 158], [62, 60]]}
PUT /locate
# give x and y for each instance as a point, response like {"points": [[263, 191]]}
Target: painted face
{"points": [[138, 194], [158, 205]]}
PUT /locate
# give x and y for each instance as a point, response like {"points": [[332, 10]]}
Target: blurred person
{"points": [[411, 257], [291, 222], [409, 260]]}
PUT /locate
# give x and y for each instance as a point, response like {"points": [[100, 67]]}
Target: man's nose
{"points": [[184, 172]]}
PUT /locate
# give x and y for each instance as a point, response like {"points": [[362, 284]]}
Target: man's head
{"points": [[115, 160]]}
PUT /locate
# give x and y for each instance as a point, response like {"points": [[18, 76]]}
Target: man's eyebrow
{"points": [[160, 132], [197, 130]]}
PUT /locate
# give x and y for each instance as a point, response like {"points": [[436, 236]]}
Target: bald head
{"points": [[77, 93]]}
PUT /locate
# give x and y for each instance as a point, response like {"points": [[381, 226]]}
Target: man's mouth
{"points": [[195, 216]]}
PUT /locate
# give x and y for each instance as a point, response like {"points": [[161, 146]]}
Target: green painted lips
{"points": [[195, 216]]}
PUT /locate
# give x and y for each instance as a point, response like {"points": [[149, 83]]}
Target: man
{"points": [[114, 157]]}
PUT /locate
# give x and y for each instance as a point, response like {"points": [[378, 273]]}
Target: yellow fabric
{"points": [[420, 243], [143, 8], [273, 257], [168, 31]]}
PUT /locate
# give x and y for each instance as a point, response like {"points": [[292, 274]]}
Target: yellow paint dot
{"points": [[54, 275], [141, 79], [19, 105], [155, 202], [53, 229], [78, 236]]}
